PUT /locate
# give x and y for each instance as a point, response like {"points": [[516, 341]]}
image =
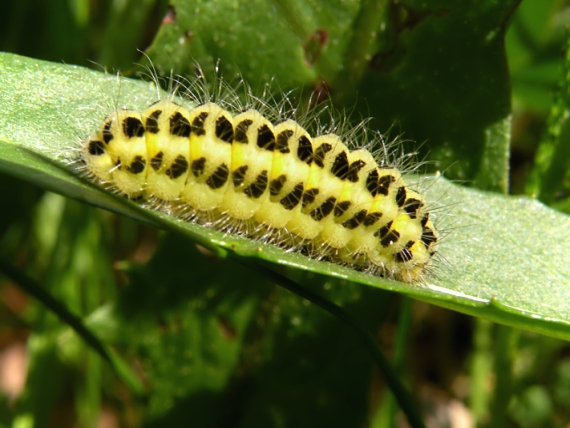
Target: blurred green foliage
{"points": [[216, 344]]}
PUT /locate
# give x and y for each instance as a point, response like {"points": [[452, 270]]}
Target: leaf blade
{"points": [[500, 262]]}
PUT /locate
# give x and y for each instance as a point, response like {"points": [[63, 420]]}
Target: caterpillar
{"points": [[271, 180]]}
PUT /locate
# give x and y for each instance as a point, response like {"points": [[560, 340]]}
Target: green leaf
{"points": [[501, 258], [436, 69]]}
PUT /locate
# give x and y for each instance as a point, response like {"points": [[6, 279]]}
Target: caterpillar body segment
{"points": [[251, 166], [270, 181], [168, 152]]}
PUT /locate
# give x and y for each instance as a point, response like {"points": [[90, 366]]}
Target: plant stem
{"points": [[506, 343], [481, 364]]}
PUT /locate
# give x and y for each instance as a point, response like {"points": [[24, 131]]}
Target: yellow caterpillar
{"points": [[270, 180]]}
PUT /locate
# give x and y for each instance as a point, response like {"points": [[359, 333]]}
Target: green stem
{"points": [[385, 415], [365, 38], [550, 172], [401, 393], [401, 347], [33, 288], [481, 365], [507, 340]]}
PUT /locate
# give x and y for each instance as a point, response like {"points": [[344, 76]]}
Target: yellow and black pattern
{"points": [[311, 192]]}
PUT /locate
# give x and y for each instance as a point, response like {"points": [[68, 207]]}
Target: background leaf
{"points": [[449, 91]]}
